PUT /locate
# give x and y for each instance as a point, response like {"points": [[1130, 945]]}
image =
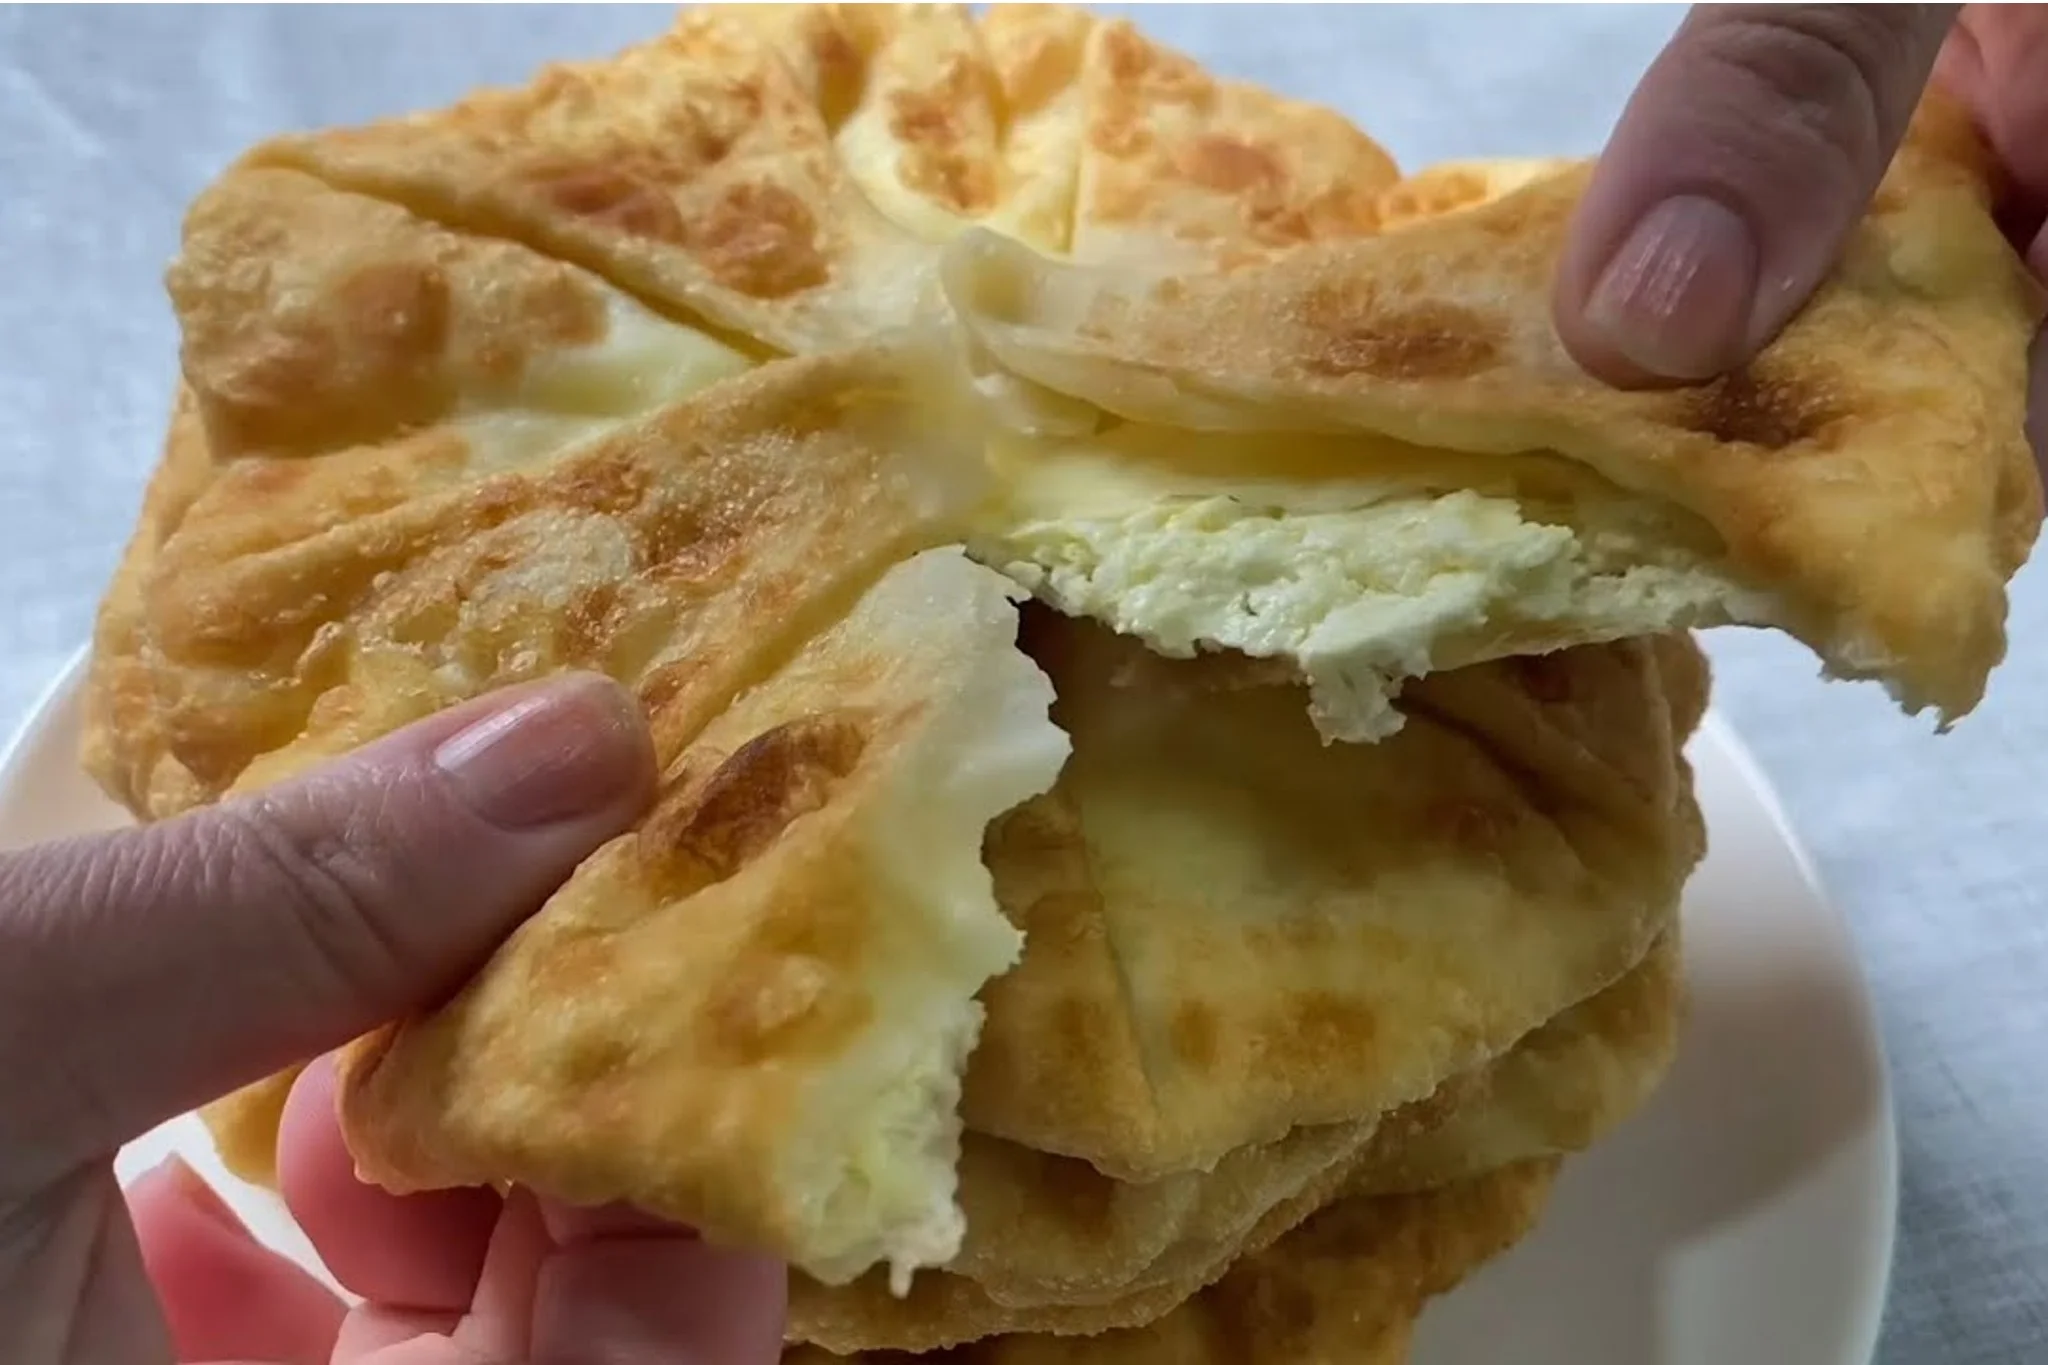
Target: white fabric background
{"points": [[110, 119]]}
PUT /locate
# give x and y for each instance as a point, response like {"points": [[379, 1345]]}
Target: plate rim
{"points": [[1715, 727], [67, 687]]}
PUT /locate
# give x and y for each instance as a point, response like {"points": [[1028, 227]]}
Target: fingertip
{"points": [[1959, 67], [224, 1295], [172, 1184], [421, 1251], [1743, 158], [1669, 303], [573, 753]]}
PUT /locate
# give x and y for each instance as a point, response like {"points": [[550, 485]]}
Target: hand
{"points": [[1753, 146], [145, 972]]}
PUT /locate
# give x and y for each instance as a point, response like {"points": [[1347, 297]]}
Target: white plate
{"points": [[1745, 1217]]}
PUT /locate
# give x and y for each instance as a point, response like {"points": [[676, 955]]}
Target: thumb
{"points": [[150, 970], [1746, 155]]}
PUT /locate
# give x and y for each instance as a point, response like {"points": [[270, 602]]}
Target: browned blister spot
{"points": [[840, 69], [561, 309], [1758, 409], [578, 967], [1322, 1029], [939, 160], [610, 484], [1416, 342], [701, 833], [1337, 212], [584, 632], [400, 308], [689, 543], [760, 240], [1140, 77], [1232, 166], [666, 683], [1033, 72], [615, 198]]}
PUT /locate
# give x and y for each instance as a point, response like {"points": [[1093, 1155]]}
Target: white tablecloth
{"points": [[110, 119]]}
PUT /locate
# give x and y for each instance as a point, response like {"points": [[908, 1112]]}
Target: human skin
{"points": [[145, 971], [1749, 150]]}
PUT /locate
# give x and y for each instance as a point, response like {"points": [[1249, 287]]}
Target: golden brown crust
{"points": [[1343, 1289], [385, 327], [1233, 929], [720, 1016], [1557, 1092], [695, 169], [123, 745], [1210, 172], [244, 1126], [467, 404], [1052, 1241], [1894, 400], [435, 582], [1045, 1229]]}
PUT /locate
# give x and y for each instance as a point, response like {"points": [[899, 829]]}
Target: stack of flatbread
{"points": [[1171, 687]]}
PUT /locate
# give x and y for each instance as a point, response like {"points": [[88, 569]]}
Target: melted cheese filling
{"points": [[1363, 562], [577, 394]]}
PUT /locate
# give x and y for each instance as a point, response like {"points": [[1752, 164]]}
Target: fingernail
{"points": [[199, 1193], [1675, 299], [573, 750], [189, 1188]]}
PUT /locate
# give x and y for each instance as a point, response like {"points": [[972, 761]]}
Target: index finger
{"points": [[420, 1251]]}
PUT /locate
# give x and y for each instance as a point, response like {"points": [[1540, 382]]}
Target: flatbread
{"points": [[585, 500], [1560, 1091], [1048, 1233], [361, 388], [752, 1012], [660, 364], [781, 172], [1235, 930], [693, 170], [123, 744], [1866, 484], [1556, 1093], [1051, 1230], [1343, 1289]]}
